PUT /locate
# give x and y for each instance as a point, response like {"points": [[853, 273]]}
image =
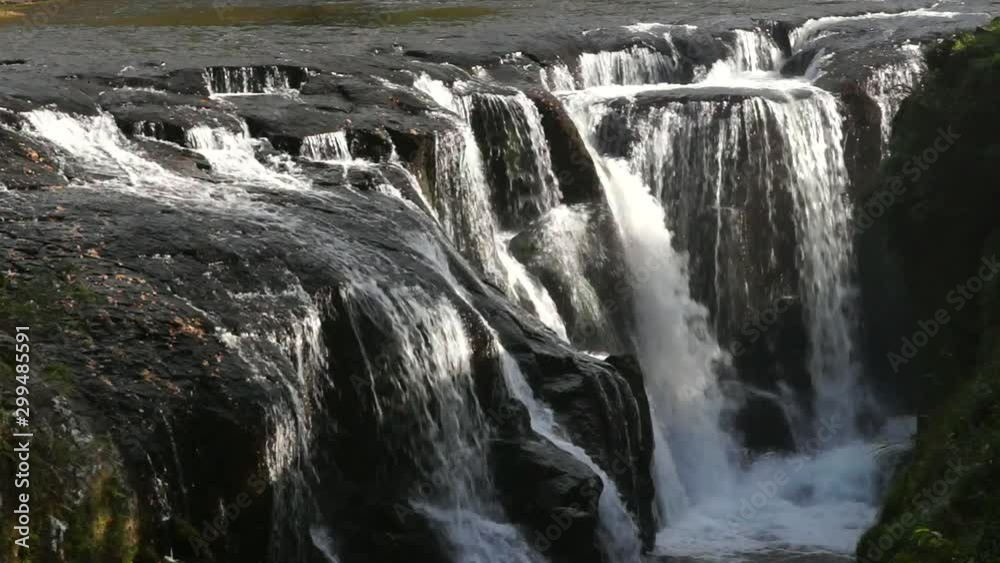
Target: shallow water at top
{"points": [[87, 35]]}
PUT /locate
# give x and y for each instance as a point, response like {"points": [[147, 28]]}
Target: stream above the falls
{"points": [[417, 213]]}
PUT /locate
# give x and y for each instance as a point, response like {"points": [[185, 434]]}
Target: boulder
{"points": [[26, 164], [571, 161], [551, 493]]}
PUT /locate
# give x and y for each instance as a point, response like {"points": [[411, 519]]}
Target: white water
{"points": [[814, 27], [431, 362], [635, 65], [543, 306], [753, 50], [232, 155], [464, 208], [676, 350], [828, 500], [524, 152], [814, 156], [98, 145], [301, 379], [798, 505], [889, 85], [618, 532], [326, 147], [246, 80], [567, 247]]}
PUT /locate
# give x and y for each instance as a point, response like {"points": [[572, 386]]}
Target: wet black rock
{"points": [[771, 359], [862, 139], [640, 487], [571, 161], [26, 164], [163, 116], [553, 495], [799, 63]]}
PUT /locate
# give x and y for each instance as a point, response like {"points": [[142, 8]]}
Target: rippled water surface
{"points": [[77, 35]]}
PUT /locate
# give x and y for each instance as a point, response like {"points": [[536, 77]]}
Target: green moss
{"points": [[44, 301], [943, 227], [963, 522], [80, 488], [104, 527], [74, 484], [60, 377]]}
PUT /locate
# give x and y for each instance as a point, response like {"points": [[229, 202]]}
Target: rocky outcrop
{"points": [[211, 335], [552, 494], [942, 235], [571, 161], [26, 164]]}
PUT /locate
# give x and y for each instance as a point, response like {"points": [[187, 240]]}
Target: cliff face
{"points": [[941, 227]]}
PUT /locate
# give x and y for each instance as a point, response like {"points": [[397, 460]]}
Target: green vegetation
{"points": [[81, 507], [942, 228], [959, 521]]}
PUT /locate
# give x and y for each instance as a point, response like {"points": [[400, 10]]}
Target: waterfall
{"points": [[232, 154], [98, 145], [566, 248], [463, 203], [269, 79], [676, 349], [431, 378], [509, 131], [326, 147], [461, 200], [701, 161], [739, 161], [542, 304], [753, 50], [635, 65], [890, 84], [815, 159], [300, 382], [707, 168], [558, 77], [617, 530]]}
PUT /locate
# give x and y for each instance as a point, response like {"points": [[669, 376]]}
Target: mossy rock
{"points": [[944, 506]]}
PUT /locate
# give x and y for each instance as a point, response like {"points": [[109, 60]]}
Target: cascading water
{"points": [[566, 247], [434, 393], [636, 65], [787, 138], [618, 531], [740, 151], [890, 84], [326, 146], [693, 154], [814, 156], [753, 50], [249, 80], [301, 382], [509, 131], [99, 146], [463, 204], [695, 158], [232, 154], [676, 349]]}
